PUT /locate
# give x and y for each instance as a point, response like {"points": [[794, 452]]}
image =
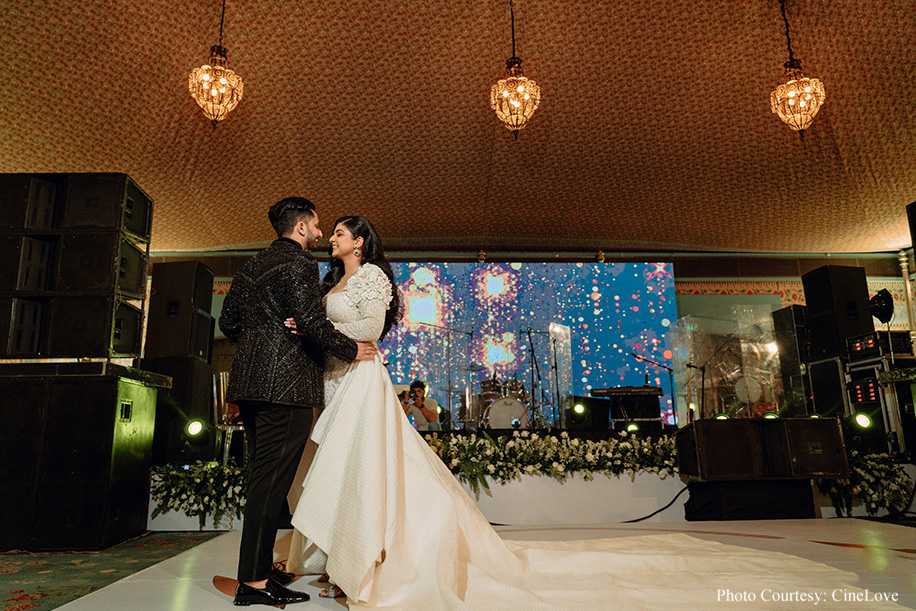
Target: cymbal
{"points": [[473, 367]]}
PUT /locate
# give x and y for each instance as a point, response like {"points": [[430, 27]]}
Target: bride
{"points": [[391, 526]]}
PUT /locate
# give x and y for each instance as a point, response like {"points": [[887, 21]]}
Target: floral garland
{"points": [[873, 478], [474, 458], [202, 489]]}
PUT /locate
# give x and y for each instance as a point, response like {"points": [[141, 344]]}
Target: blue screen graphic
{"points": [[465, 322]]}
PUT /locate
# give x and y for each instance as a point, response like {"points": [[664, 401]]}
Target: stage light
{"points": [[721, 416], [771, 415], [815, 415], [579, 408], [632, 426], [772, 348], [863, 420], [194, 428], [881, 306]]}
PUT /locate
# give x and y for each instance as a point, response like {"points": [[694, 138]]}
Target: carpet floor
{"points": [[47, 580]]}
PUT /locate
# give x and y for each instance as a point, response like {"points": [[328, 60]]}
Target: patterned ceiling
{"points": [[654, 130]]}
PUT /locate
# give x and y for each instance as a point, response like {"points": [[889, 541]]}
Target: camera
{"points": [[413, 394]]}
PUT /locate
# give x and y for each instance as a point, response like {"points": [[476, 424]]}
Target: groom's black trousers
{"points": [[277, 435]]}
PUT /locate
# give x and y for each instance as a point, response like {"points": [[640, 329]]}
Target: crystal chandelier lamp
{"points": [[216, 88], [798, 100], [516, 97]]}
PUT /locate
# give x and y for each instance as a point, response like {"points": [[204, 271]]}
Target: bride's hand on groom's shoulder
{"points": [[290, 324]]}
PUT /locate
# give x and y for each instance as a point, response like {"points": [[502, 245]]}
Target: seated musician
{"points": [[425, 411]]}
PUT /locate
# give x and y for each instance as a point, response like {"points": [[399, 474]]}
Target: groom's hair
{"points": [[287, 212]]}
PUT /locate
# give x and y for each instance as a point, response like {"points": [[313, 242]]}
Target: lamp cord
{"points": [[512, 17], [222, 17], [782, 5]]}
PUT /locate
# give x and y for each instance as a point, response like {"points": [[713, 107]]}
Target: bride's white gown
{"points": [[401, 533]]}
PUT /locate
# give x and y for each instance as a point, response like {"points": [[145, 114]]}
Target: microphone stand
{"points": [[448, 362], [556, 381], [670, 380], [535, 383]]}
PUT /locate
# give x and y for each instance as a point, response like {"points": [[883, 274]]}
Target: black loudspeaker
{"points": [[837, 308], [83, 443], [828, 388], [26, 262], [911, 218], [791, 336], [107, 201], [759, 448], [720, 450], [804, 448], [189, 398], [100, 326], [27, 202], [101, 262], [23, 410], [750, 500], [180, 323], [21, 323]]}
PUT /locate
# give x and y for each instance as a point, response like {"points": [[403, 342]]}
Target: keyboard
{"points": [[626, 391]]}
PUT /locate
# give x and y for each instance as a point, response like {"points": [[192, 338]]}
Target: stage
{"points": [[880, 557]]}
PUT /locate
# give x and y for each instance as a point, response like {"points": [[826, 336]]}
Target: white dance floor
{"points": [[883, 556]]}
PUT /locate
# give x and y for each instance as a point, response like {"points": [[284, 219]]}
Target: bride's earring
{"points": [[356, 251]]}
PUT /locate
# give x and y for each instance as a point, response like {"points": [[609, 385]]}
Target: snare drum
{"points": [[506, 413]]}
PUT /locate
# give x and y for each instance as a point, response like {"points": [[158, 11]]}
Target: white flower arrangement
{"points": [[874, 479], [474, 458], [202, 489]]}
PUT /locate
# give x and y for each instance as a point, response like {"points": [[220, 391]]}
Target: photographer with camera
{"points": [[425, 411]]}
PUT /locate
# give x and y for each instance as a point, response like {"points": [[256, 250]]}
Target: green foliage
{"points": [[874, 479], [475, 458], [200, 490]]}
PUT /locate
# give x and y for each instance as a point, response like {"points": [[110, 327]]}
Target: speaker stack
{"points": [[179, 344], [73, 253], [837, 309], [79, 423]]}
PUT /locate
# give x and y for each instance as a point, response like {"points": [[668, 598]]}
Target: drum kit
{"points": [[500, 404]]}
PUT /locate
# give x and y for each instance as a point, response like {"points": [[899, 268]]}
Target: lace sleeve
{"points": [[368, 292]]}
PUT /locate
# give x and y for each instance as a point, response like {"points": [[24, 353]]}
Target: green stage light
{"points": [[815, 415], [579, 408], [632, 426], [863, 420], [771, 415], [194, 428], [721, 416]]}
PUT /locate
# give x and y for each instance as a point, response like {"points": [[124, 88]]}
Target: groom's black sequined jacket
{"points": [[271, 363]]}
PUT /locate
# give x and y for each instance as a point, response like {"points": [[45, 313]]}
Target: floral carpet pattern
{"points": [[47, 580]]}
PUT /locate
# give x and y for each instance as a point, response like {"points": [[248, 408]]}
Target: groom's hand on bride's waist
{"points": [[366, 351]]}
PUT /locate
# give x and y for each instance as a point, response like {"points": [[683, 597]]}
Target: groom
{"points": [[276, 380]]}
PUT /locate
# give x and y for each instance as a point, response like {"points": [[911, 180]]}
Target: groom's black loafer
{"points": [[272, 594], [282, 577]]}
